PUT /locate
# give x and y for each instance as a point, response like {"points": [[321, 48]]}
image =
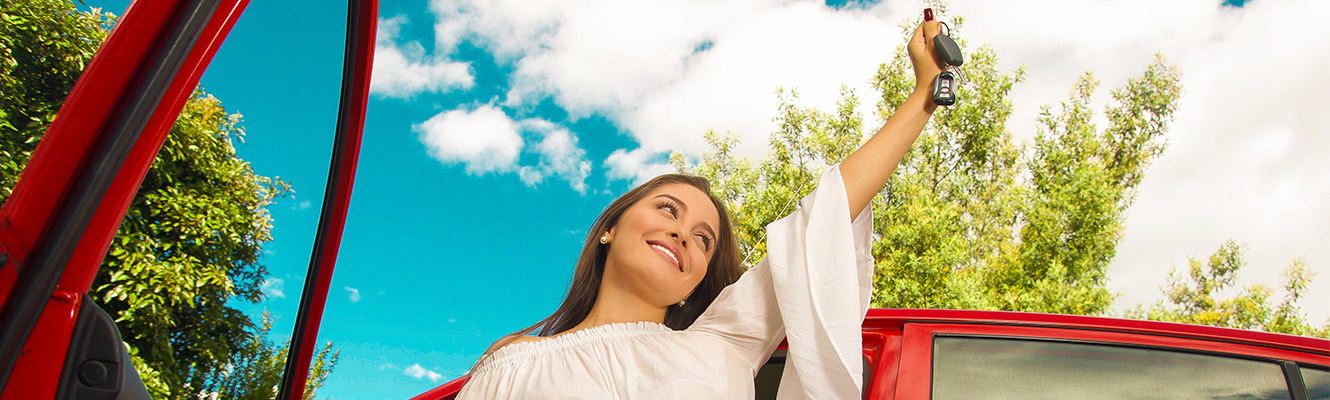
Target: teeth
{"points": [[667, 252]]}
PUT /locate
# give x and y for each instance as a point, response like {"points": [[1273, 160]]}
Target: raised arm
{"points": [[869, 167]]}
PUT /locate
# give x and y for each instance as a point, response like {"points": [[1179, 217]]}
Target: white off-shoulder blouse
{"points": [[813, 287]]}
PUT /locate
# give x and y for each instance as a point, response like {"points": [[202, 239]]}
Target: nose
{"points": [[679, 238]]}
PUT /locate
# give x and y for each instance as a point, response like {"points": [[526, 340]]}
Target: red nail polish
{"points": [[928, 14]]}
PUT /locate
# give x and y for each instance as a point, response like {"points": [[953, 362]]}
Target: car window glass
{"points": [[969, 368], [1318, 382]]}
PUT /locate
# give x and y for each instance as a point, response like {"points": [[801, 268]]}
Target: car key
{"points": [[948, 50], [944, 86], [944, 89]]}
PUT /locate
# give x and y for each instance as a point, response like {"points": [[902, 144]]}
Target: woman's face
{"points": [[660, 247]]}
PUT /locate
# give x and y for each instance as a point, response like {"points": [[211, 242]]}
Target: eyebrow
{"points": [[684, 206]]}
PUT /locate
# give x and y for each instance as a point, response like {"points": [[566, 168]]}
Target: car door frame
{"points": [[58, 223]]}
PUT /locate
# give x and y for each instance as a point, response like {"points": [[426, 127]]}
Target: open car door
{"points": [[56, 227]]}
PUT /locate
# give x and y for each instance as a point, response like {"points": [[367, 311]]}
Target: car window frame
{"points": [[916, 357]]}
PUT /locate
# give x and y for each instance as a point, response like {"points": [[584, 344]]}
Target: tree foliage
{"points": [[1194, 297], [249, 373], [191, 239], [44, 45], [189, 243], [972, 218]]}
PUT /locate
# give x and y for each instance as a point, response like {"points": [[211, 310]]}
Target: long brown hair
{"points": [[723, 269]]}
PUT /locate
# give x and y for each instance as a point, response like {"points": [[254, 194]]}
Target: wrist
{"points": [[923, 93], [924, 84]]}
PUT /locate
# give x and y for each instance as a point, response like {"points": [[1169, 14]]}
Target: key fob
{"points": [[948, 50], [944, 89]]}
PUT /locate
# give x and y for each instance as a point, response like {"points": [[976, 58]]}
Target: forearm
{"points": [[867, 169]]}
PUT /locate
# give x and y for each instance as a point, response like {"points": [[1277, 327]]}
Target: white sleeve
{"points": [[822, 271], [813, 289]]}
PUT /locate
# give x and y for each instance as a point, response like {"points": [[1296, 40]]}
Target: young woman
{"points": [[660, 308]]}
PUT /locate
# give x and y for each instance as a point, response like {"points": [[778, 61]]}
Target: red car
{"points": [[952, 354]]}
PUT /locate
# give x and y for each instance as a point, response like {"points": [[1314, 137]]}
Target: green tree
{"points": [[971, 219], [191, 238], [1193, 297], [249, 376], [44, 45]]}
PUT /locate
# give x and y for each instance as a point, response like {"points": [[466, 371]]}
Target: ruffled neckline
{"points": [[523, 350]]}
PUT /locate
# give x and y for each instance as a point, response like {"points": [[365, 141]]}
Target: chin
{"points": [[669, 285], [655, 278]]}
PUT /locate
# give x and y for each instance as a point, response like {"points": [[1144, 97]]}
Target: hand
{"points": [[927, 65]]}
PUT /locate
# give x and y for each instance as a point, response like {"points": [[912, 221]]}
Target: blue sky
{"points": [[496, 134], [425, 242]]}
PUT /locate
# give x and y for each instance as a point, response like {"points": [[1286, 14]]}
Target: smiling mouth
{"points": [[669, 255]]}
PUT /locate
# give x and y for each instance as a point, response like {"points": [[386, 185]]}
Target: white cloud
{"points": [[272, 287], [1247, 148], [559, 156], [505, 27], [667, 72], [419, 372], [303, 205], [353, 294], [405, 70], [637, 165], [730, 87], [485, 139]]}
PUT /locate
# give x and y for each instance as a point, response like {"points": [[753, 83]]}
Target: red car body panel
{"points": [[898, 343], [885, 362]]}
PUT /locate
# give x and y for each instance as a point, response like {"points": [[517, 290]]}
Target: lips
{"points": [[667, 251]]}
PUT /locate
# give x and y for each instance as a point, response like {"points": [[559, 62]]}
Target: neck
{"points": [[614, 306]]}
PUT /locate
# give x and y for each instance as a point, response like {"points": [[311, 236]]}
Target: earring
{"points": [[681, 303], [604, 240]]}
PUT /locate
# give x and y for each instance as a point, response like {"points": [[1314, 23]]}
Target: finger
{"points": [[919, 34], [931, 29]]}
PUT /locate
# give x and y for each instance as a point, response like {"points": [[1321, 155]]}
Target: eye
{"points": [[706, 240], [670, 208]]}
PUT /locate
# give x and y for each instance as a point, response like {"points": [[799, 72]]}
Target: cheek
{"points": [[699, 273]]}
